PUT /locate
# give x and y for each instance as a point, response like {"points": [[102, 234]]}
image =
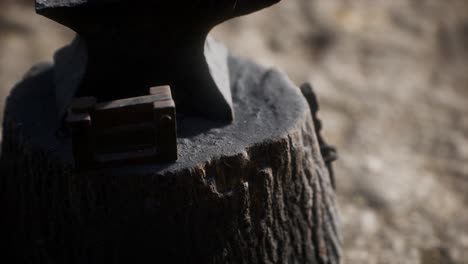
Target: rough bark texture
{"points": [[256, 191]]}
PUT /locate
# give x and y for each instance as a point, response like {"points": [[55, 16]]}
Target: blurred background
{"points": [[392, 79]]}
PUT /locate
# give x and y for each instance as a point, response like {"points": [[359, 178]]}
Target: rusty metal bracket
{"points": [[329, 152], [138, 129]]}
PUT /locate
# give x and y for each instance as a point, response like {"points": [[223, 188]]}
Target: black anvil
{"points": [[125, 47]]}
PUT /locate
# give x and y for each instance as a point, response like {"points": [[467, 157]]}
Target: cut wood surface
{"points": [[255, 191]]}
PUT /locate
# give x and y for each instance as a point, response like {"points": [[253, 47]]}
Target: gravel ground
{"points": [[392, 78]]}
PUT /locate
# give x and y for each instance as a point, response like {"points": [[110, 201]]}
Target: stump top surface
{"points": [[267, 106]]}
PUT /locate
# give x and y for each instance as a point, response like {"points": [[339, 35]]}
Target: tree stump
{"points": [[255, 191]]}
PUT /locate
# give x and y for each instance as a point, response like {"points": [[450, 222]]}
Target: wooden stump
{"points": [[255, 191]]}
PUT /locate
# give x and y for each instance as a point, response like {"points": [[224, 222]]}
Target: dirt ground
{"points": [[392, 78]]}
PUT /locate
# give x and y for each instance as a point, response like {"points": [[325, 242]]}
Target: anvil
{"points": [[127, 46]]}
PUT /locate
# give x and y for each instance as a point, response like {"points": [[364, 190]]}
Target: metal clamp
{"points": [[138, 129]]}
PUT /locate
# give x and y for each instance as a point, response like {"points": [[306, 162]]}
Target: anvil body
{"points": [[130, 46]]}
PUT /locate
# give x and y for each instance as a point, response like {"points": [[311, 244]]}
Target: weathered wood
{"points": [[255, 191]]}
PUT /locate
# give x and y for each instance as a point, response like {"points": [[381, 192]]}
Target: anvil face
{"points": [[133, 45]]}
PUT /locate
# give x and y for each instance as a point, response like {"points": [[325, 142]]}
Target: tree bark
{"points": [[255, 191]]}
